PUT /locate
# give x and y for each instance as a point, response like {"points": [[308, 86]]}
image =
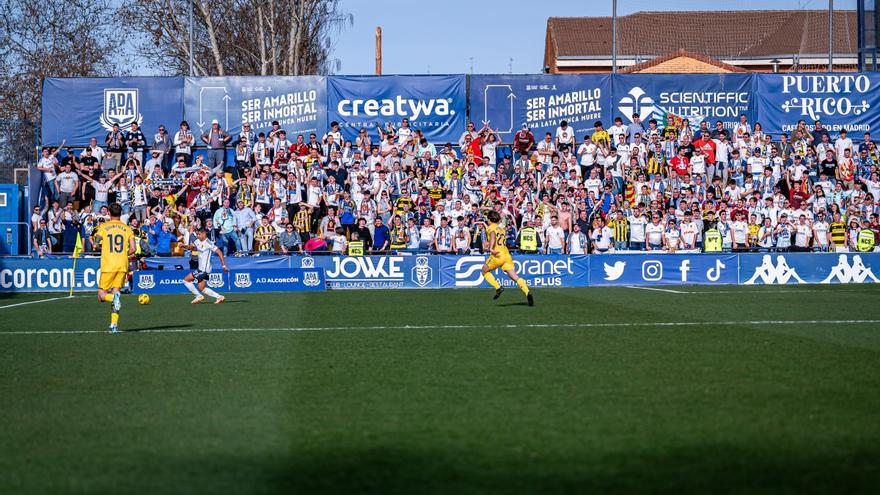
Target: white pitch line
{"points": [[513, 326], [658, 290], [36, 302]]}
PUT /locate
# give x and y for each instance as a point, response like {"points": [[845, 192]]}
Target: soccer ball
{"points": [[144, 299]]}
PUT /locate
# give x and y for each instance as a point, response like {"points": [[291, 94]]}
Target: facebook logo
{"points": [[684, 268]]}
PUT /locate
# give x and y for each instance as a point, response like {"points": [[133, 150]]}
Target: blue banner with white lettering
{"points": [[78, 109], [663, 269], [48, 275], [375, 272], [298, 104], [697, 97], [436, 105], [254, 280], [233, 262], [537, 270], [809, 268], [840, 100], [540, 102]]}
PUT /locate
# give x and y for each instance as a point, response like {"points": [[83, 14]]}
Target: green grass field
{"points": [[600, 390]]}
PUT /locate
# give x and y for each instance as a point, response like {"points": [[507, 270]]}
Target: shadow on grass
{"points": [[393, 470]]}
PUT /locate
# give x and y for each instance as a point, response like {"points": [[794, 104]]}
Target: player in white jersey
{"points": [[202, 269]]}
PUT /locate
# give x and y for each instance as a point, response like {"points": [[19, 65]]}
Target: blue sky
{"points": [[441, 37]]}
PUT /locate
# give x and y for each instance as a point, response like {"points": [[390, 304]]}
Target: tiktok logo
{"points": [[713, 274]]}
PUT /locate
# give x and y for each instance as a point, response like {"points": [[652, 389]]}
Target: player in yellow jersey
{"points": [[500, 257], [117, 243]]}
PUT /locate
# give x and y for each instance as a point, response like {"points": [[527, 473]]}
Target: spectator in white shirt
{"points": [[554, 237], [565, 135], [843, 143]]}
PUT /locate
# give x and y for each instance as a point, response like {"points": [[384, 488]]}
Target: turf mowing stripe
{"points": [[35, 302], [464, 327]]}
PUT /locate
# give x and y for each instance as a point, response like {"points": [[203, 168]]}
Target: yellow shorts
{"points": [[503, 261], [112, 280]]}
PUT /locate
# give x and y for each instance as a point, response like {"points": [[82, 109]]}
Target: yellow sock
{"points": [[521, 282], [114, 318], [108, 297], [491, 279]]}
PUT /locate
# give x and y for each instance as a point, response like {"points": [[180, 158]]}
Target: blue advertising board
{"points": [[48, 275], [663, 269], [537, 270], [78, 109], [252, 280], [375, 272], [698, 97], [839, 100], [540, 102], [437, 105], [233, 262], [809, 268], [299, 104]]}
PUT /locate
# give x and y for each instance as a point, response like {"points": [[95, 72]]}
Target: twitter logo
{"points": [[615, 271]]}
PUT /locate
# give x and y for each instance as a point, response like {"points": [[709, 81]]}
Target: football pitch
{"points": [[717, 389]]}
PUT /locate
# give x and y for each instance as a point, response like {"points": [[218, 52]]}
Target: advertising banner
{"points": [[298, 104], [540, 102], [254, 280], [78, 109], [48, 275], [711, 97], [841, 101], [437, 105], [375, 272], [233, 262], [809, 268], [537, 270], [663, 269]]}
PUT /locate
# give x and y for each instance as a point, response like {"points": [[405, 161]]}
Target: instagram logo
{"points": [[652, 271]]}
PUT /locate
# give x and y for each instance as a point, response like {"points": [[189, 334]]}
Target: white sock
{"points": [[192, 288], [211, 293]]}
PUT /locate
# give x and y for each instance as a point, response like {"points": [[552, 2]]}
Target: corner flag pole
{"points": [[77, 251]]}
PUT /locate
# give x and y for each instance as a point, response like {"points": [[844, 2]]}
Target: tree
{"points": [[241, 37], [47, 38]]}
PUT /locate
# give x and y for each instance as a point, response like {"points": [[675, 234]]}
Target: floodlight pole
{"points": [[614, 36], [830, 35], [190, 38]]}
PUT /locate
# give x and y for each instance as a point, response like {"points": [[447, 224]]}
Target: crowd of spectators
{"points": [[635, 186]]}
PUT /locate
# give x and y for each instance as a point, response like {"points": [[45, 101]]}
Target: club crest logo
{"points": [[215, 280], [307, 262], [146, 281], [422, 273], [636, 101], [242, 280], [311, 279], [121, 106]]}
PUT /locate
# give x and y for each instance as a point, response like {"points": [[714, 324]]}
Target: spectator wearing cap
{"points": [[215, 140], [523, 142]]}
